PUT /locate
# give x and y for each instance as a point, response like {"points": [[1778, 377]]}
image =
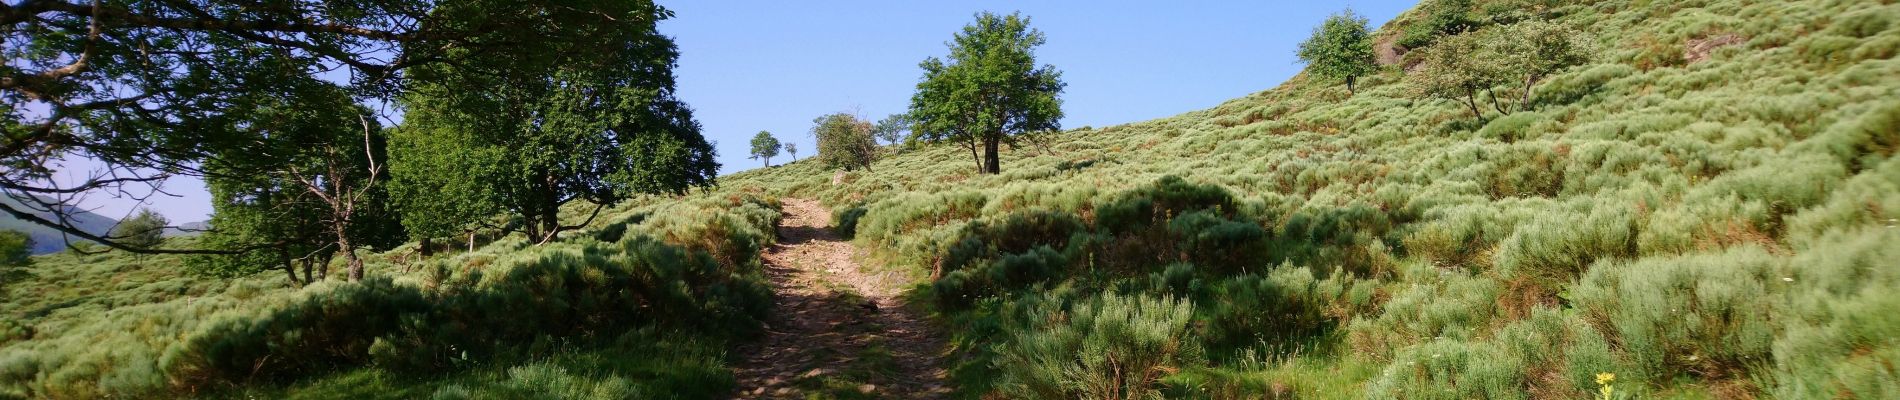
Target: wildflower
{"points": [[1790, 279], [1605, 378]]}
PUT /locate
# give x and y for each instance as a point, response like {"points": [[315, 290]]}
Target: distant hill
{"points": [[188, 229], [49, 240]]}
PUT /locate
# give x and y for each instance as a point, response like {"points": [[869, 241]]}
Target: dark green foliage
{"points": [[764, 147], [595, 121], [1108, 347], [143, 230], [1340, 49], [315, 189], [990, 90], [1282, 313], [16, 249], [845, 221]]}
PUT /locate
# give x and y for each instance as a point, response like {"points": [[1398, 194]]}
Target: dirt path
{"points": [[837, 331]]}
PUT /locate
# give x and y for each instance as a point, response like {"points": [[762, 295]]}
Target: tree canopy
{"points": [[989, 90], [153, 90], [764, 147], [1472, 66], [596, 122], [146, 229], [844, 141], [1340, 49]]}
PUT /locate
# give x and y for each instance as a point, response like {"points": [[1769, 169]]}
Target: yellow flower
{"points": [[1605, 378]]}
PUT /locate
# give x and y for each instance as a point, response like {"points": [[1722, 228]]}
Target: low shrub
{"points": [[1702, 315], [1109, 347]]}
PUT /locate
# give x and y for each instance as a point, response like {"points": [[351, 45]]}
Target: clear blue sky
{"points": [[747, 66]]}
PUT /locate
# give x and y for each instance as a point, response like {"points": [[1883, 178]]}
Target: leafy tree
{"points": [[989, 91], [764, 147], [144, 230], [893, 129], [792, 148], [1456, 68], [596, 124], [844, 141], [1340, 49], [1535, 49], [322, 192], [1472, 66], [149, 89]]}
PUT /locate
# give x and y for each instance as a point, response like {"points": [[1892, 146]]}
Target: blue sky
{"points": [[747, 66]]}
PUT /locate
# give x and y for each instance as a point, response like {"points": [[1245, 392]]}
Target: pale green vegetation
{"points": [[1697, 197], [1541, 199]]}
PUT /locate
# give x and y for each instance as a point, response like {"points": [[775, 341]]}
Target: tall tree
{"points": [[764, 147], [325, 165], [989, 91], [147, 89], [893, 129], [1454, 69], [844, 141], [594, 121], [1340, 49], [146, 229]]}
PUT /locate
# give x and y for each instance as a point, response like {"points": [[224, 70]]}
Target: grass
{"points": [[1716, 223], [1638, 216]]}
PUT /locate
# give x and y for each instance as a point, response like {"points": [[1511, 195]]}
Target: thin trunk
{"points": [[471, 240], [425, 248], [974, 156], [1472, 102], [990, 146], [1494, 102], [1349, 88], [290, 268], [1526, 97]]}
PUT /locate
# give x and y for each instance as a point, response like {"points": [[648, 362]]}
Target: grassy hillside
{"points": [[1707, 209], [642, 305], [48, 240]]}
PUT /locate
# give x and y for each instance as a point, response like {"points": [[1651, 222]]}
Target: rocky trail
{"points": [[837, 331]]}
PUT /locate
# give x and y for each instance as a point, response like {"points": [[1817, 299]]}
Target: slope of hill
{"points": [[49, 240], [1704, 210]]}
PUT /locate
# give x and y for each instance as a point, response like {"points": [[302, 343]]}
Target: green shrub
{"points": [[1704, 315], [1109, 347], [845, 221], [1840, 317]]}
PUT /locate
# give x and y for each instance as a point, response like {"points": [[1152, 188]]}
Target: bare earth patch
{"points": [[836, 330]]}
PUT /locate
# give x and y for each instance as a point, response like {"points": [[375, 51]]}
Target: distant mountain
{"points": [[49, 240], [188, 229]]}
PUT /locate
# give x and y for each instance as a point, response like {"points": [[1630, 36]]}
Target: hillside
{"points": [[49, 240], [1703, 209]]}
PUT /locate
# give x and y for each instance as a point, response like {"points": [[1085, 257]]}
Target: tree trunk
{"points": [[978, 158], [471, 240], [1349, 81], [290, 268], [991, 165], [349, 252], [1471, 101], [1525, 99], [425, 248]]}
